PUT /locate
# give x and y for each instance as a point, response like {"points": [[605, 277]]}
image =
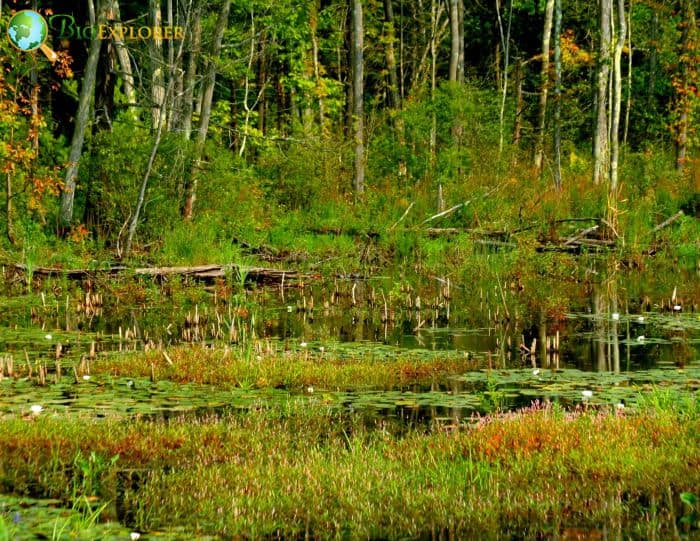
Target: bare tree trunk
{"points": [[85, 101], [195, 37], [519, 101], [317, 67], [628, 101], [454, 33], [460, 61], [653, 56], [557, 94], [207, 98], [124, 61], [544, 84], [683, 98], [394, 99], [617, 96], [358, 91], [157, 78], [601, 152], [505, 44]]}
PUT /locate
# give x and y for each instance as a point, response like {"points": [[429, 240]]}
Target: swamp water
{"points": [[608, 340], [603, 344]]}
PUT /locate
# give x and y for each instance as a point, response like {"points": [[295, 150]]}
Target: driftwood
{"points": [[259, 275], [667, 222]]}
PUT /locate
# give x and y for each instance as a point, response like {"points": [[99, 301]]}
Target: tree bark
{"points": [[601, 149], [557, 94], [157, 77], [683, 92], [195, 36], [544, 84], [124, 62], [358, 91], [519, 101], [454, 33], [207, 98], [617, 96], [85, 102]]}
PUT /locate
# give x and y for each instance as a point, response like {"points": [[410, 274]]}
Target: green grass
{"points": [[295, 471]]}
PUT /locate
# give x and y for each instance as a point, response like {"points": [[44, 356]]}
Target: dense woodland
{"points": [[275, 116]]}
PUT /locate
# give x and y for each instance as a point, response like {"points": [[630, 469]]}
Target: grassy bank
{"points": [[292, 472]]}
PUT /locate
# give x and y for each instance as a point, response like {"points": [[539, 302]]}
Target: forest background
{"points": [[279, 126]]}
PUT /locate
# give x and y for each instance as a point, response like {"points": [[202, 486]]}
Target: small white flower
{"points": [[134, 536], [536, 371], [641, 338], [587, 394], [640, 319], [615, 316], [620, 406], [677, 308], [258, 358], [130, 383], [48, 337], [309, 389], [303, 344], [86, 377], [321, 349], [290, 308], [36, 409]]}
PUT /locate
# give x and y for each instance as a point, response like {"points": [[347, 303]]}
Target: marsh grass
{"points": [[260, 364], [296, 470]]}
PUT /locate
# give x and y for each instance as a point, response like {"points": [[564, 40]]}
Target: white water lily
{"points": [[640, 319], [615, 316], [641, 338], [536, 371], [677, 308], [303, 345], [289, 309], [587, 394], [36, 409], [321, 349], [86, 377], [309, 389], [134, 536], [620, 406], [48, 337]]}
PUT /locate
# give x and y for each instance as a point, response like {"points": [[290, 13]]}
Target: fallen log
{"points": [[259, 275]]}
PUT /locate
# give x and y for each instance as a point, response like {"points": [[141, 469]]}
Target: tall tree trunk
{"points": [[617, 96], [195, 37], [505, 43], [358, 91], [261, 82], [683, 91], [519, 101], [394, 99], [207, 98], [318, 90], [157, 76], [628, 101], [454, 42], [601, 150], [85, 101], [544, 84], [460, 60], [124, 62], [557, 94]]}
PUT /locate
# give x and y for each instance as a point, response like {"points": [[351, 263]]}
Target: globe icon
{"points": [[27, 30]]}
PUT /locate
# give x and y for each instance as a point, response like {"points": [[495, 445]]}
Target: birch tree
{"points": [[357, 94], [617, 95], [544, 84], [207, 99], [85, 104], [601, 150]]}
